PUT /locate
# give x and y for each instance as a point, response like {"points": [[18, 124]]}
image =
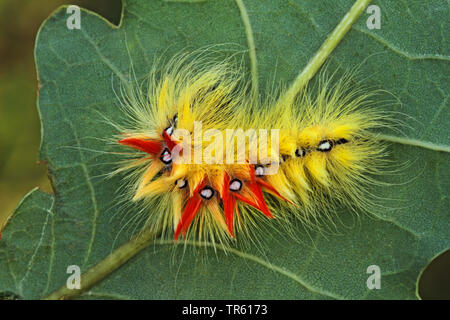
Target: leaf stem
{"points": [[325, 50], [251, 46], [106, 266], [414, 142]]}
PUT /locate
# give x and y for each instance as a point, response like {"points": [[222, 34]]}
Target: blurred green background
{"points": [[19, 121]]}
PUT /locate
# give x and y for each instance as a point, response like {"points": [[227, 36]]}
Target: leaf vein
{"points": [[400, 51]]}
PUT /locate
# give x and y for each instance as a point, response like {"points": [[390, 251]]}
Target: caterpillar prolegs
{"points": [[214, 158]]}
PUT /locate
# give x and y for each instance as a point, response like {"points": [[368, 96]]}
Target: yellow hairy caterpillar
{"points": [[215, 159]]}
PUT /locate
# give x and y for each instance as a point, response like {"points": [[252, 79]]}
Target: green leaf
{"points": [[80, 225]]}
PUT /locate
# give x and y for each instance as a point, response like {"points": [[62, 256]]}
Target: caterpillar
{"points": [[205, 162]]}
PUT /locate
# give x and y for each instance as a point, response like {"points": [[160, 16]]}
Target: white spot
{"points": [[207, 193], [169, 130], [300, 152], [181, 183], [325, 146], [259, 170], [235, 185], [166, 157]]}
